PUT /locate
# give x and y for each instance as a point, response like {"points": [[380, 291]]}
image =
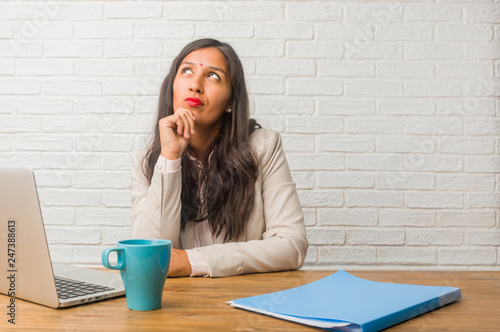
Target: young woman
{"points": [[212, 181]]}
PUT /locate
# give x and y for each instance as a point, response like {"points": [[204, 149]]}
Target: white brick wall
{"points": [[389, 114]]}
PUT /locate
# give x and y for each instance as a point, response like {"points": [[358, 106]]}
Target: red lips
{"points": [[193, 101]]}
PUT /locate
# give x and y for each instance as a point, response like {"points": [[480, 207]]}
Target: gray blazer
{"points": [[274, 238]]}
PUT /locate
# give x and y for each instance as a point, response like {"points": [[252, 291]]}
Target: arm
{"points": [[151, 221], [283, 244], [156, 208]]}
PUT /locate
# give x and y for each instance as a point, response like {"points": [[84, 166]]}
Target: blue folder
{"points": [[343, 302]]}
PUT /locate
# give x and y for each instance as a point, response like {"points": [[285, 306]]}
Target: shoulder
{"points": [[137, 157], [266, 143], [263, 134], [138, 163], [264, 139]]}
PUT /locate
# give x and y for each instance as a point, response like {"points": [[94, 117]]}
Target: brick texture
{"points": [[388, 111]]}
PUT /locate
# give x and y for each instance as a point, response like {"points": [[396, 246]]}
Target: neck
{"points": [[200, 141]]}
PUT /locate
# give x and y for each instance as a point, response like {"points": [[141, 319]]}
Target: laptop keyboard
{"points": [[67, 288]]}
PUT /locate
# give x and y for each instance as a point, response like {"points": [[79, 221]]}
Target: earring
{"points": [[229, 110]]}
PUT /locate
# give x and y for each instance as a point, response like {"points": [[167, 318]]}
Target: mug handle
{"points": [[120, 264]]}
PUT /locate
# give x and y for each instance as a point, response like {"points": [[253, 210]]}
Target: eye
{"points": [[214, 75], [187, 70]]}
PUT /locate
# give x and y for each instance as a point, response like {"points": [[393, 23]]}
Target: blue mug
{"points": [[143, 265]]}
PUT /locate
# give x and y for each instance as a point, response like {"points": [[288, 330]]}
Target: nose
{"points": [[196, 84]]}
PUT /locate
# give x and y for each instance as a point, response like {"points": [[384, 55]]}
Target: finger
{"points": [[180, 109], [189, 119], [192, 115], [167, 122], [188, 125], [180, 125]]}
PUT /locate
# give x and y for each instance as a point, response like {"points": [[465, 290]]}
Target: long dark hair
{"points": [[222, 190]]}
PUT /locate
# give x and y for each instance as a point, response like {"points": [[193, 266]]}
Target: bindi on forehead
{"points": [[201, 64]]}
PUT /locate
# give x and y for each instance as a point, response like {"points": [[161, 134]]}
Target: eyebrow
{"points": [[212, 67]]}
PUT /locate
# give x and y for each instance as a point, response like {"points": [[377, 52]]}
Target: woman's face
{"points": [[202, 85]]}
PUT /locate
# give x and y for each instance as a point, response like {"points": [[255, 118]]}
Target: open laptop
{"points": [[24, 253]]}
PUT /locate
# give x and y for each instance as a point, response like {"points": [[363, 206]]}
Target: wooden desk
{"points": [[198, 304]]}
